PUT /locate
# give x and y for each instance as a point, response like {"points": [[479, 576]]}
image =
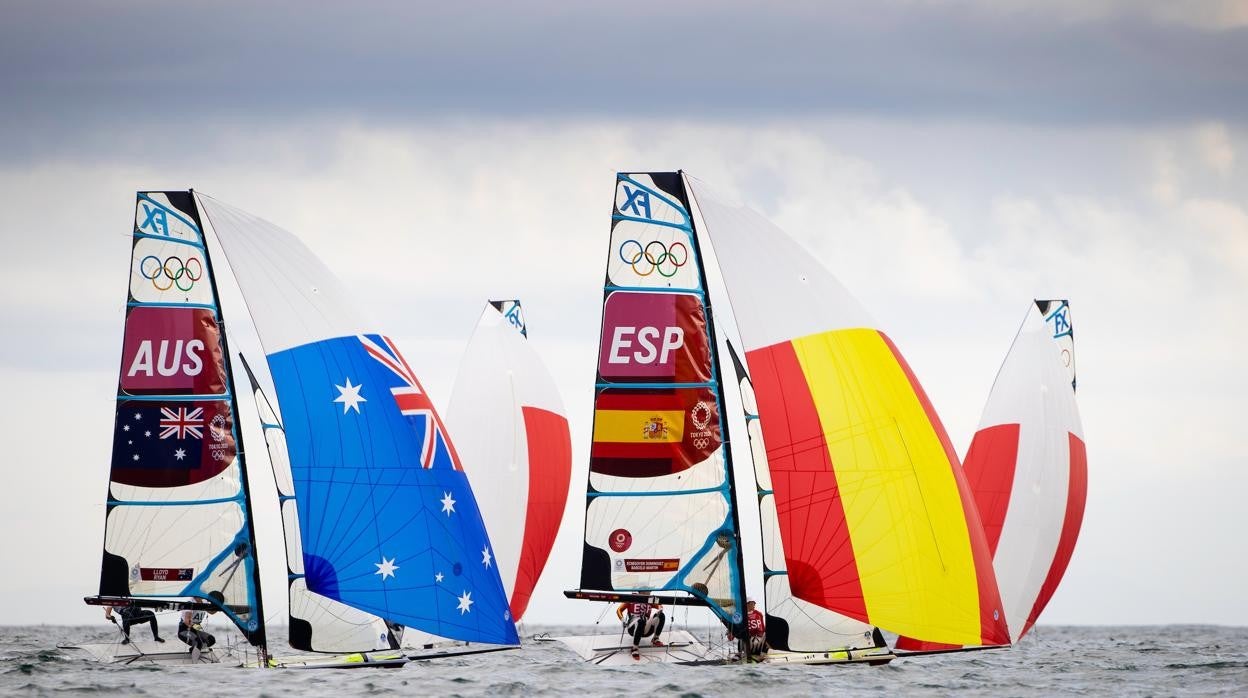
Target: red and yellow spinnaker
{"points": [[876, 519], [873, 507]]}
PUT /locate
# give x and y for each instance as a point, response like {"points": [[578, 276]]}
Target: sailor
{"points": [[191, 630], [756, 629], [642, 620], [133, 615]]}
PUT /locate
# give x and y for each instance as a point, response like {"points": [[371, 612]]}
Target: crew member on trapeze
{"points": [[133, 615], [642, 620]]}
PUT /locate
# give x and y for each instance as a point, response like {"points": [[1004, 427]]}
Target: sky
{"points": [[947, 160]]}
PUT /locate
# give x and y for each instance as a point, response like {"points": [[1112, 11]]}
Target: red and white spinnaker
{"points": [[512, 436]]}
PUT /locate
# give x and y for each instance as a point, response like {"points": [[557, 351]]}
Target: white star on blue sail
{"points": [[386, 567], [393, 451], [349, 396], [485, 556], [464, 602]]}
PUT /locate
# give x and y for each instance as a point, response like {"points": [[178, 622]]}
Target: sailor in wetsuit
{"points": [[133, 615], [191, 631], [757, 629], [642, 620]]}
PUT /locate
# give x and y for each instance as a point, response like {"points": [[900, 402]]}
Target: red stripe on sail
{"points": [[1076, 499], [989, 467], [550, 473], [660, 399], [993, 630], [817, 548], [908, 644]]}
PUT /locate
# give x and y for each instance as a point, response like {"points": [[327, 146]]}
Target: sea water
{"points": [[1120, 661]]}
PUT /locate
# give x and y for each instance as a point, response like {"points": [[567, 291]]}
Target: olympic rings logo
{"points": [[654, 255], [172, 272]]}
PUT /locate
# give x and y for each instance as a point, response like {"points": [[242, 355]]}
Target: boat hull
{"points": [[146, 652], [615, 650]]}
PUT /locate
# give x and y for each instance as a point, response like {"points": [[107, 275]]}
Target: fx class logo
{"points": [[156, 221], [637, 201], [1061, 321]]}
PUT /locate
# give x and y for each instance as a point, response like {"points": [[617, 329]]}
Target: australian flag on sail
{"points": [[389, 523], [159, 443]]}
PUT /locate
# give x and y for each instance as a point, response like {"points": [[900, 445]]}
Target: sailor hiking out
{"points": [[130, 616], [642, 620]]}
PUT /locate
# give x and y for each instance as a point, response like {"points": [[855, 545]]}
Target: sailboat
{"points": [[384, 538], [512, 433], [868, 520], [1027, 467]]}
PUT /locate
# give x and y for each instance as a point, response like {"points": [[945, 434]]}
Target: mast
{"points": [[260, 639], [734, 495]]}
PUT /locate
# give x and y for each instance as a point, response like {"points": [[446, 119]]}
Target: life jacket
{"points": [[757, 627], [638, 610]]}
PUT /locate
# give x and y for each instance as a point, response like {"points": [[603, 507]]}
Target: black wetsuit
{"points": [[133, 615], [195, 637], [641, 623]]}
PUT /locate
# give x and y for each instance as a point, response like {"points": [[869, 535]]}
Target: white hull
{"points": [[872, 655], [615, 650], [149, 652]]}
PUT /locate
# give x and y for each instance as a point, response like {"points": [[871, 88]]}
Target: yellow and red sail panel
{"points": [[876, 518]]}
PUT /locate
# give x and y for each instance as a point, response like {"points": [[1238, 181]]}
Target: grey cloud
{"points": [[116, 64]]}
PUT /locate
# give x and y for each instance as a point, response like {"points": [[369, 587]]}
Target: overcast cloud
{"points": [[947, 160]]}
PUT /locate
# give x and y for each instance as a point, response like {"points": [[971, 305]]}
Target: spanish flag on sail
{"points": [[648, 433], [876, 519]]}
